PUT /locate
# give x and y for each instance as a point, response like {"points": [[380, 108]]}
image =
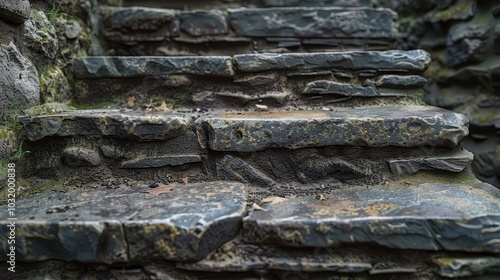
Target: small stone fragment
{"points": [[77, 156], [72, 30]]}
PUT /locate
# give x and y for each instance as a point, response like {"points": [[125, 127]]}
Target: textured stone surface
{"points": [[231, 168], [15, 11], [496, 42], [77, 156], [424, 217], [463, 266], [460, 11], [331, 87], [456, 162], [311, 3], [413, 61], [467, 43], [374, 260], [40, 35], [139, 23], [107, 123], [129, 67], [19, 84], [376, 126], [397, 81], [127, 224], [314, 22], [200, 23], [160, 161]]}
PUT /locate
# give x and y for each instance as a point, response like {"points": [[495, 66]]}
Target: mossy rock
{"points": [[54, 86]]}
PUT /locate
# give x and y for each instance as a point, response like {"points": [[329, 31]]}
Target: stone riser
{"points": [[283, 28]]}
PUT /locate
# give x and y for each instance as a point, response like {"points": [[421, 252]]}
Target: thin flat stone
{"points": [[456, 162], [312, 3], [112, 123], [126, 224], [430, 217], [415, 61], [373, 260], [331, 87], [314, 22], [17, 11], [463, 266], [134, 67], [398, 82], [404, 126], [160, 161]]}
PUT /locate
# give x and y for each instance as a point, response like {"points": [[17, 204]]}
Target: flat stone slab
{"points": [[136, 67], [16, 11], [107, 123], [176, 222], [415, 61], [160, 161], [465, 265], [455, 162], [404, 126], [312, 3], [430, 217], [326, 22], [330, 87]]}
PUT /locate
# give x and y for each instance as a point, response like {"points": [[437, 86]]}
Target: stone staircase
{"points": [[298, 163]]}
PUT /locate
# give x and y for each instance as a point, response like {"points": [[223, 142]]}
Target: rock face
{"points": [[453, 163], [19, 84], [15, 11], [40, 35], [425, 217], [200, 23], [183, 223], [388, 126], [314, 22], [77, 156]]}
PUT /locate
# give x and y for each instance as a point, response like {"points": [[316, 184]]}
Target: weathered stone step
{"points": [[404, 62], [171, 222], [433, 217], [133, 24], [404, 126]]}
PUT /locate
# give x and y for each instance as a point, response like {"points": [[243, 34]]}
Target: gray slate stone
{"points": [[19, 83], [161, 161], [126, 224], [77, 156], [456, 162], [496, 39], [201, 23], [430, 217], [107, 123], [331, 87], [231, 168], [460, 11], [133, 67], [311, 3], [405, 126], [467, 43], [72, 30], [314, 22], [398, 81], [139, 24], [374, 260], [415, 61], [15, 11]]}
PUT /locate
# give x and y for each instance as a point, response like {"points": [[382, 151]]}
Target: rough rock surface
{"points": [[160, 161], [454, 163], [412, 61], [108, 123], [19, 84], [40, 35], [398, 81], [15, 11], [314, 22], [200, 23], [182, 223], [129, 67], [77, 156], [375, 127], [424, 217]]}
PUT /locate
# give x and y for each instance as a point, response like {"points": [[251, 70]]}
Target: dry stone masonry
{"points": [[257, 139]]}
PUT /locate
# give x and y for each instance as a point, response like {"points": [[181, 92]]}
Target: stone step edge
{"points": [[255, 131], [411, 62]]}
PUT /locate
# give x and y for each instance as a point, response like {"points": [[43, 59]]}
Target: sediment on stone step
{"points": [[434, 217], [156, 29], [169, 222]]}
